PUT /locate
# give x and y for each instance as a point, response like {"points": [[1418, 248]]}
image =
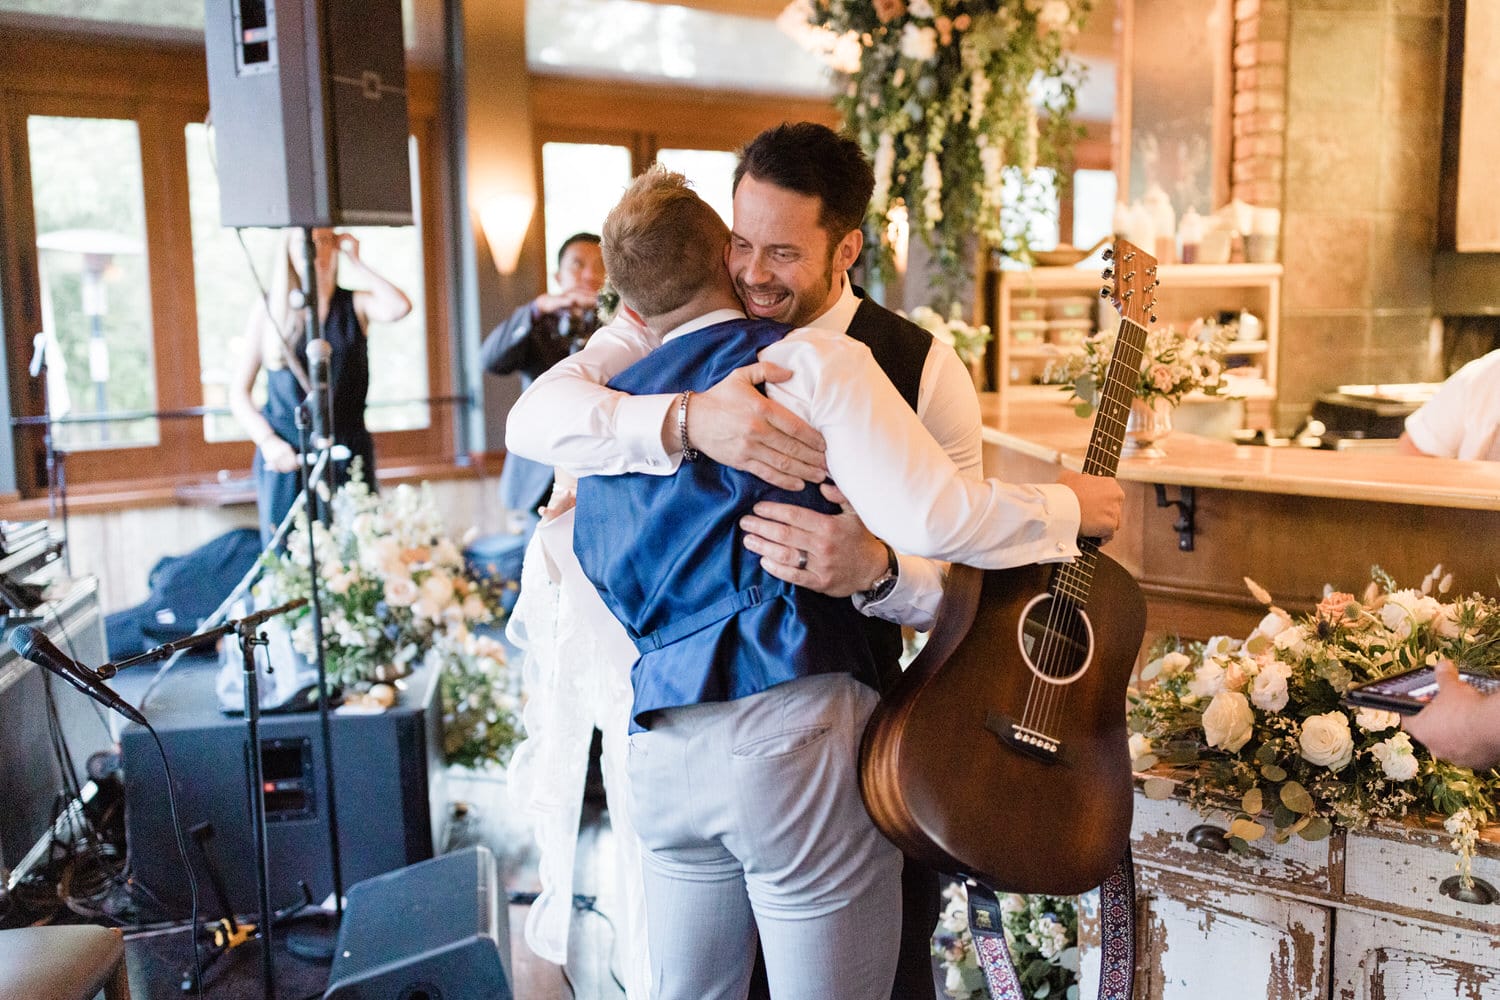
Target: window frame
{"points": [[162, 86]]}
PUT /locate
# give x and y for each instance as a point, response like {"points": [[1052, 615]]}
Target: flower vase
{"points": [[1150, 421]]}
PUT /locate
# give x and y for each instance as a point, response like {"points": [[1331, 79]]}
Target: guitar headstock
{"points": [[1131, 273]]}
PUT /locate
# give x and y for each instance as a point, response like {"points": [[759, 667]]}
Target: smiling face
{"points": [[581, 267], [784, 264]]}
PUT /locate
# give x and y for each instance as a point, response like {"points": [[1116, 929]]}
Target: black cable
{"points": [[182, 850], [586, 904]]}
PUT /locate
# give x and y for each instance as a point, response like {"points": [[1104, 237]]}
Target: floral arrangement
{"points": [[965, 339], [1259, 728], [1041, 932], [1174, 365], [395, 592], [957, 103]]}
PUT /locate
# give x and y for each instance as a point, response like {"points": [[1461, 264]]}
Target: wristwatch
{"points": [[882, 587]]}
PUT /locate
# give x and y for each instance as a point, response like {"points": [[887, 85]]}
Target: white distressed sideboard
{"points": [[1358, 916]]}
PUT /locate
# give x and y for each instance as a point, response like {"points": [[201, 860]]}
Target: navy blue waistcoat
{"points": [[666, 554]]}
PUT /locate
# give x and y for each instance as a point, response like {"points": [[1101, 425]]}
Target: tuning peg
{"points": [[1129, 257], [1108, 273], [1109, 253], [1151, 270], [1153, 317], [1104, 293]]}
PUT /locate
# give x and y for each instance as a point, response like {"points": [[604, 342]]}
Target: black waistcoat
{"points": [[900, 348]]}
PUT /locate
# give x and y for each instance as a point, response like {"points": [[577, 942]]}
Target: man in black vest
{"points": [[800, 194]]}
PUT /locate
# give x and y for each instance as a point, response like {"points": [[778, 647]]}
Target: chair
{"points": [[72, 962]]}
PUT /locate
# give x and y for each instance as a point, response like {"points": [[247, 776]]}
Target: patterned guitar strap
{"points": [[1117, 929]]}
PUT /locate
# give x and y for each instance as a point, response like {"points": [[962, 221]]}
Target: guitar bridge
{"points": [[1024, 739]]}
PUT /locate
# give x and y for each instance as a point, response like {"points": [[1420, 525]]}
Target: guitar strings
{"points": [[1071, 581]]}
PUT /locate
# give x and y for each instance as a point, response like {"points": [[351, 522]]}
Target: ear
{"points": [[847, 252]]}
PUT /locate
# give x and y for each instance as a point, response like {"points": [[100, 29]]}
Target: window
{"points": [[581, 182], [226, 289], [113, 247], [91, 258], [711, 172]]}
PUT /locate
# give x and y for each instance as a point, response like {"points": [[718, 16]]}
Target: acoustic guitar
{"points": [[1001, 753]]}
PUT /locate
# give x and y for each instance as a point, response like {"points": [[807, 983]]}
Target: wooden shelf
{"points": [[1186, 292]]}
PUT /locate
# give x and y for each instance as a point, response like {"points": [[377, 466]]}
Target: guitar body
{"points": [[948, 778]]}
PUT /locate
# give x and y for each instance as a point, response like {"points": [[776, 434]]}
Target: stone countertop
{"points": [[1041, 423]]}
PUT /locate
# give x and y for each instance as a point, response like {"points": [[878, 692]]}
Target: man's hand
{"points": [[736, 425], [1459, 723], [1100, 503], [843, 558], [574, 298]]}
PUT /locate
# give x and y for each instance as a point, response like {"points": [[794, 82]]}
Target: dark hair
{"points": [[575, 238], [813, 159], [662, 243]]}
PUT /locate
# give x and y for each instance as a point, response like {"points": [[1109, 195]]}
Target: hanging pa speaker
{"points": [[308, 103], [436, 930]]}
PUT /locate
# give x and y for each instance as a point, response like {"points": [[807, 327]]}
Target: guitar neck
{"points": [[1074, 580], [1120, 381]]}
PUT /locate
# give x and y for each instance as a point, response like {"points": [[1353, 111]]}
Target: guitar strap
{"points": [[1117, 929]]}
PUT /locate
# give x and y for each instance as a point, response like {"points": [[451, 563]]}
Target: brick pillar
{"points": [[1258, 147]]}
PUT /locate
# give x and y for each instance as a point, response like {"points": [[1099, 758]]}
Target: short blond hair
{"points": [[662, 243]]}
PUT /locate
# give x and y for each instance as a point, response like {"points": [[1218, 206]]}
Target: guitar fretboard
{"points": [[1072, 581]]}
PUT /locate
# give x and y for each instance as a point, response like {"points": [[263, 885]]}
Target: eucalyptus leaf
{"points": [[1246, 830], [1158, 788], [1253, 802], [1282, 817], [1068, 958], [1238, 845], [1317, 828], [1296, 798], [1083, 410], [1144, 762], [1073, 992], [1266, 754], [1272, 772]]}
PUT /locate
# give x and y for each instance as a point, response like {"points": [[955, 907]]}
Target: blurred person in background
{"points": [[276, 340]]}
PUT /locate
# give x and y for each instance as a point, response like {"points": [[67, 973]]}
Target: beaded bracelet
{"points": [[689, 453]]}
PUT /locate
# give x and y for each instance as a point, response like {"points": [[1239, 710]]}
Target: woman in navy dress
{"points": [[277, 341]]}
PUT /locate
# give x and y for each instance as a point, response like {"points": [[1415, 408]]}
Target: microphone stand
{"points": [[316, 942], [250, 637]]}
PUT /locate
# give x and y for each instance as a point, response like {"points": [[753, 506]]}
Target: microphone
{"points": [[33, 645], [318, 355]]}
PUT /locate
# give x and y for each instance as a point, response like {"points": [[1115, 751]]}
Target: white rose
{"points": [[1269, 691], [1228, 721], [1140, 746], [919, 8], [917, 43], [1174, 663], [1327, 741], [1397, 757], [1404, 609], [1273, 623], [1012, 903], [1208, 680], [1373, 720], [437, 590], [400, 592], [1293, 640]]}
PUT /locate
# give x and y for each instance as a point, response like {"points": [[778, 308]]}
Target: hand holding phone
{"points": [[1409, 691]]}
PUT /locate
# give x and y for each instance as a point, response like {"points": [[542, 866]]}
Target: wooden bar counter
{"points": [[1292, 519]]}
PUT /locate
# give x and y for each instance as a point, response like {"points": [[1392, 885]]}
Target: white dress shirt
{"points": [[1462, 419], [568, 417]]}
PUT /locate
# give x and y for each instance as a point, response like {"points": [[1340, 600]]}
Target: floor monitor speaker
{"points": [[388, 773], [436, 930], [308, 103]]}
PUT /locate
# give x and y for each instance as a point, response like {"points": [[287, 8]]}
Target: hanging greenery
{"points": [[958, 102]]}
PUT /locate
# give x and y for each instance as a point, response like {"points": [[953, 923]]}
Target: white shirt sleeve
{"points": [[901, 483], [570, 419], [948, 407], [1462, 418]]}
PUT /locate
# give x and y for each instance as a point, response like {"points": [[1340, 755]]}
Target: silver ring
{"points": [[802, 559]]}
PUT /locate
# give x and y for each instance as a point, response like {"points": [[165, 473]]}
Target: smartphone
{"points": [[1409, 691]]}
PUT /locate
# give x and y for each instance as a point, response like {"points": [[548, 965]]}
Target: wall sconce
{"points": [[898, 234], [505, 219]]}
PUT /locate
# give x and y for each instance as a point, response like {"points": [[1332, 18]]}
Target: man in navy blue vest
{"points": [[800, 195], [751, 693]]}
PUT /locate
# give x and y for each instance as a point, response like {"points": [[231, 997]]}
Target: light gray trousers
{"points": [[750, 818]]}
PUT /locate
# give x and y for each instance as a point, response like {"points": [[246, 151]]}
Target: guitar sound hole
{"points": [[1056, 638]]}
